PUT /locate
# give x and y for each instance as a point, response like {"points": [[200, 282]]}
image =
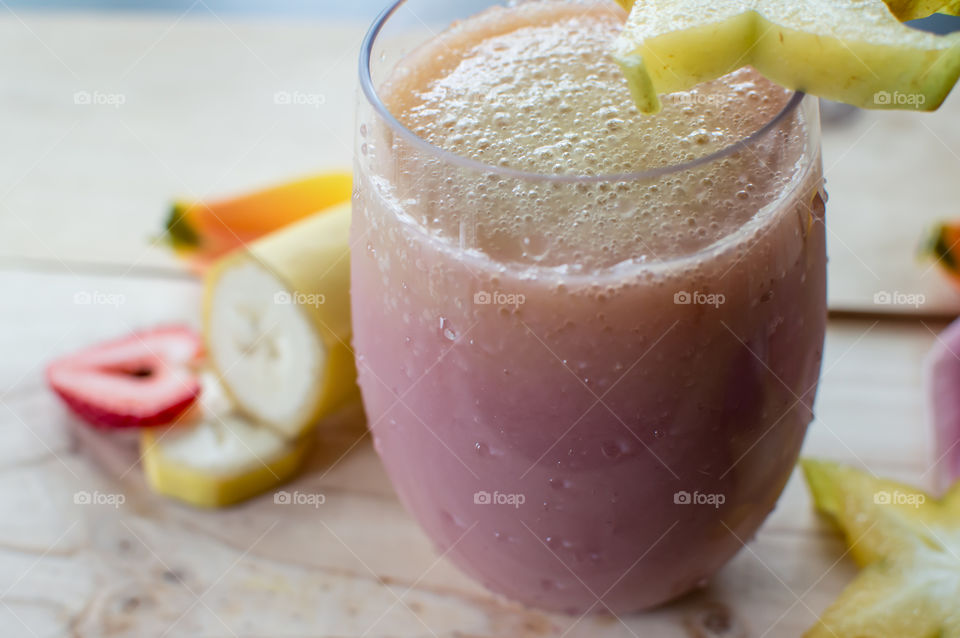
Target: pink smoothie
{"points": [[588, 394]]}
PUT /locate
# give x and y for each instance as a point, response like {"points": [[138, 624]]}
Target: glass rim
{"points": [[373, 97]]}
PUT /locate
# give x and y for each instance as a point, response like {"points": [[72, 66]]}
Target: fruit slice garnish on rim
{"points": [[909, 545], [853, 51]]}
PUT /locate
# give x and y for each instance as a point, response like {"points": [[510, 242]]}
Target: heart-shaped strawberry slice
{"points": [[142, 380]]}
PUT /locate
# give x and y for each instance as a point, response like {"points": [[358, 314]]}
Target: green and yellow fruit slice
{"points": [[909, 545], [903, 9], [277, 323], [853, 51]]}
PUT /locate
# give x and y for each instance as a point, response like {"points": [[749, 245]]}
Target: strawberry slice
{"points": [[141, 380]]}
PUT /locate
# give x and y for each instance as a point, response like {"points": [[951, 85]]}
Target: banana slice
{"points": [[218, 457], [218, 463], [277, 323]]}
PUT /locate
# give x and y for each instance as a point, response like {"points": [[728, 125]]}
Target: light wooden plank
{"points": [[177, 108], [890, 176]]}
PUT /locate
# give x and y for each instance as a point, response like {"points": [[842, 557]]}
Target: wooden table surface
{"points": [[188, 106]]}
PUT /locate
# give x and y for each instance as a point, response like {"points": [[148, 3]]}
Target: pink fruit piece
{"points": [[142, 380], [943, 392]]}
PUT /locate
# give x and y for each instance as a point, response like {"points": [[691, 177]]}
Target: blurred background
{"points": [[358, 9]]}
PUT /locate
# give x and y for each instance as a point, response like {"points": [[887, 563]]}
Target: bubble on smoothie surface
{"points": [[546, 97]]}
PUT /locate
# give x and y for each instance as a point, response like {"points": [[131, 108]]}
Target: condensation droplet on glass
{"points": [[547, 585], [445, 330], [610, 449]]}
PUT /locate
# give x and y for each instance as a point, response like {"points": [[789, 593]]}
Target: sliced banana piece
{"points": [[277, 323], [216, 459]]}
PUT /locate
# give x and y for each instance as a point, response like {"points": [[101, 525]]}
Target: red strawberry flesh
{"points": [[142, 380]]}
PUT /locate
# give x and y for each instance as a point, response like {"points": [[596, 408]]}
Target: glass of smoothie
{"points": [[588, 340]]}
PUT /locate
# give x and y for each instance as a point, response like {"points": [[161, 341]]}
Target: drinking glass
{"points": [[580, 438]]}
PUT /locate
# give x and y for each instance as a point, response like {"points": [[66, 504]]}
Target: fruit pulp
{"points": [[589, 393]]}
